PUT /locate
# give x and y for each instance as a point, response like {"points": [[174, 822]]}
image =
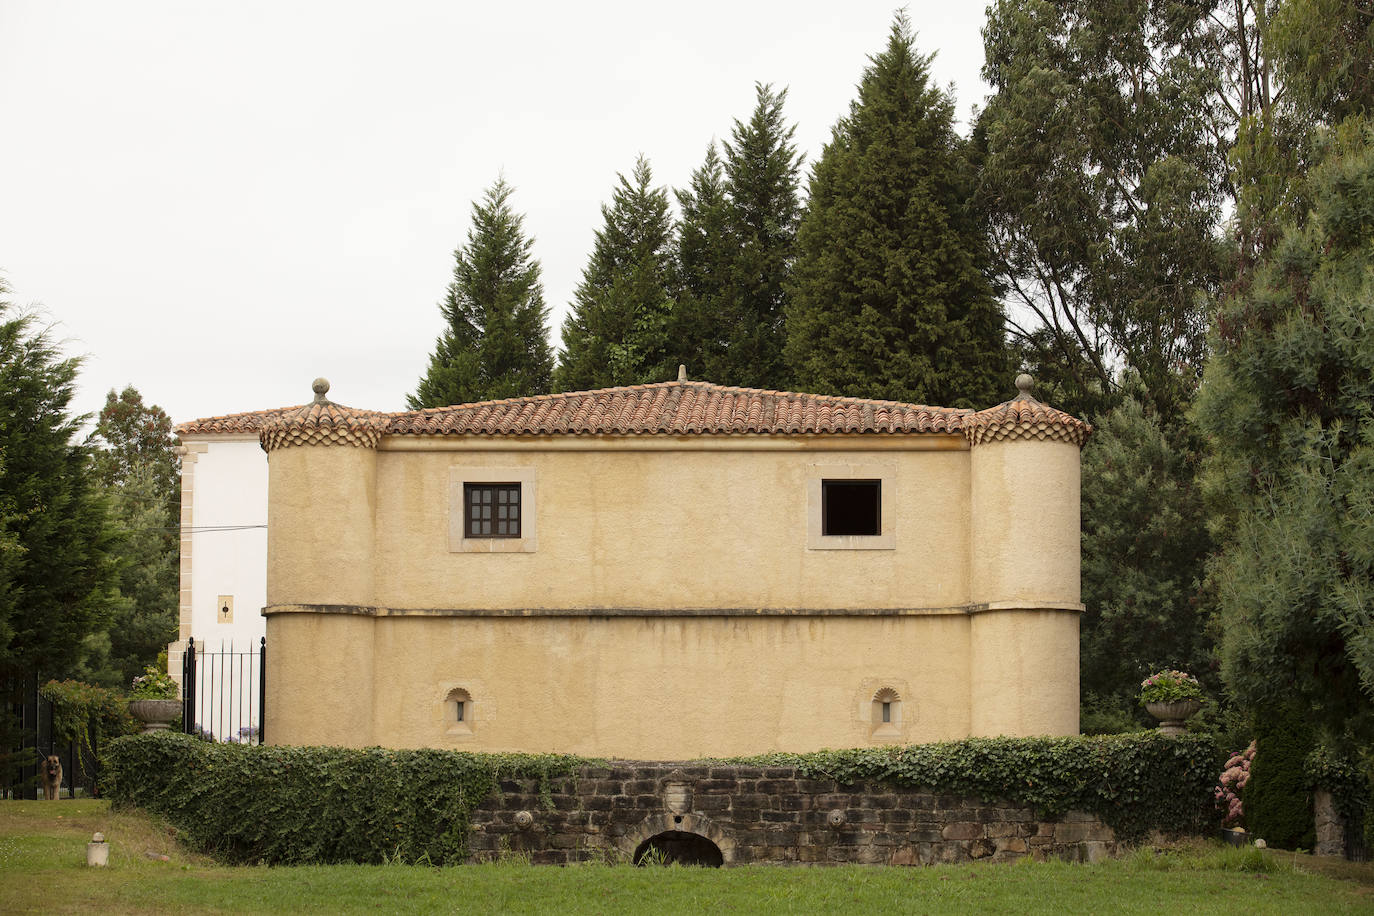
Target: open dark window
{"points": [[851, 507], [491, 510]]}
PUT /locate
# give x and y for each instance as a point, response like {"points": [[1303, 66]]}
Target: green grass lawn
{"points": [[43, 870]]}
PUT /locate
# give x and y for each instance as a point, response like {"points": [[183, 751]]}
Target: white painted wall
{"points": [[228, 541]]}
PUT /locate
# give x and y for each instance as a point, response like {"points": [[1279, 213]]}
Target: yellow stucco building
{"points": [[671, 571]]}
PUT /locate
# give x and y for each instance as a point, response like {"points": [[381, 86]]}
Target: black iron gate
{"points": [[222, 692]]}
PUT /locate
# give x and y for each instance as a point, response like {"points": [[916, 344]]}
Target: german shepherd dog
{"points": [[52, 777]]}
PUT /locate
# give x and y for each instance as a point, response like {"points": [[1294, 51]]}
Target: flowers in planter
{"points": [[1169, 686], [153, 684], [1232, 781]]}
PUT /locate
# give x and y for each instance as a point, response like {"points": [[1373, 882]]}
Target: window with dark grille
{"points": [[491, 510], [851, 507]]}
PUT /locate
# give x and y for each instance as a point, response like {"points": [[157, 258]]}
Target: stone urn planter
{"points": [[1173, 714], [156, 715]]}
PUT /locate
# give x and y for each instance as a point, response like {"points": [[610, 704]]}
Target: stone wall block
{"points": [[981, 849], [816, 786], [904, 855], [962, 830]]}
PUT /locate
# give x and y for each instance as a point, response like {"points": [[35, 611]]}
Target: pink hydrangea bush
{"points": [[1232, 782]]}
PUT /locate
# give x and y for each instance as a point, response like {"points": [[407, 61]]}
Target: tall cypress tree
{"points": [[756, 232], [618, 330], [705, 247], [889, 298], [56, 563], [495, 345]]}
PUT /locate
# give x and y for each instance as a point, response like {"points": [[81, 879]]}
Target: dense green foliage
{"points": [[1287, 404], [136, 463], [1144, 543], [1324, 50], [495, 344], [618, 332], [1134, 783], [1278, 803], [1102, 174], [1345, 777], [87, 714], [299, 805], [129, 436], [56, 567], [889, 297], [736, 243]]}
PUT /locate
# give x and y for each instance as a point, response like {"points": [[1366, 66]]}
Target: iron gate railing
{"points": [[27, 736], [222, 692]]}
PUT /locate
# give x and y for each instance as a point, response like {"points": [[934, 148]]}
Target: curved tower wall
{"points": [[321, 548], [1024, 587]]}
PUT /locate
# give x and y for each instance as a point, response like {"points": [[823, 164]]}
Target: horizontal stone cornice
{"points": [[669, 613]]}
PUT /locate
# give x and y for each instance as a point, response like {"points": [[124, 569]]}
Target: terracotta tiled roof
{"points": [[322, 422], [667, 408], [677, 408], [1024, 417], [250, 422]]}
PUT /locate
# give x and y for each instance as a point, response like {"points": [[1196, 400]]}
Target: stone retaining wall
{"points": [[765, 814]]}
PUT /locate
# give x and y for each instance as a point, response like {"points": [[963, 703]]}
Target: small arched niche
{"points": [[887, 714], [458, 712], [678, 847]]}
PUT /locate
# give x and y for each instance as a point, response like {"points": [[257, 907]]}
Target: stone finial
{"points": [[1024, 384], [321, 387], [682, 372]]}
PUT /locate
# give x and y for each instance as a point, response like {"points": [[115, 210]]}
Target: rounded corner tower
{"points": [[321, 539], [1024, 567]]}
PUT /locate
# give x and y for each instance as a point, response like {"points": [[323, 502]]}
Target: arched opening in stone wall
{"points": [[678, 847]]}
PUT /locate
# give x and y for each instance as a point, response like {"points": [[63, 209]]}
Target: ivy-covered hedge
{"points": [[1135, 783], [294, 805], [298, 805]]}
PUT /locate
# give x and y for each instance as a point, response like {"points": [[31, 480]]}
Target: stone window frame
{"points": [[884, 473], [525, 477]]}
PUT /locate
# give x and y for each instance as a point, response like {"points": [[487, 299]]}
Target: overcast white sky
{"points": [[218, 202]]}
